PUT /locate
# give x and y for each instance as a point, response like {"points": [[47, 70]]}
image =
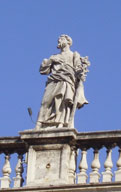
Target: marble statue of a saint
{"points": [[64, 87]]}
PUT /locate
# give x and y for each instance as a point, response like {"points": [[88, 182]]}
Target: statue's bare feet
{"points": [[38, 126], [60, 125]]}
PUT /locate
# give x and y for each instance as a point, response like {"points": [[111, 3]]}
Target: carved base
{"points": [[118, 175], [107, 176], [82, 178], [17, 182], [47, 164], [5, 182], [50, 156], [72, 177], [94, 177]]}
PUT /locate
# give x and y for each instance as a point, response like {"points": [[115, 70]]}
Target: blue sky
{"points": [[28, 33]]}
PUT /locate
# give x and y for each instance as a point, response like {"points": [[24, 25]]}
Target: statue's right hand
{"points": [[43, 64], [45, 61]]}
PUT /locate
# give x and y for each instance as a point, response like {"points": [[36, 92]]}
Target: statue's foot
{"points": [[60, 125], [38, 126]]}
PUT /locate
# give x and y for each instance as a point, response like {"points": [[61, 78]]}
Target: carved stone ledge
{"points": [[51, 156], [105, 187], [12, 145], [48, 135], [99, 139]]}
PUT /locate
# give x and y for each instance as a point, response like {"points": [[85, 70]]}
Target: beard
{"points": [[61, 45]]}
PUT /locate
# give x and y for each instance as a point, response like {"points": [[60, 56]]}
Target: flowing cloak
{"points": [[60, 91]]}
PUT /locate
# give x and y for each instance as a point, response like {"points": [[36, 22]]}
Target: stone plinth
{"points": [[5, 182], [101, 187], [51, 156], [118, 175]]}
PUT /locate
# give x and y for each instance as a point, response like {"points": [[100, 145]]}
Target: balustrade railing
{"points": [[89, 170], [98, 141], [10, 146]]}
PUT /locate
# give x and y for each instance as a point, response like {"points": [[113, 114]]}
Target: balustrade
{"points": [[101, 165], [10, 146], [82, 176], [99, 141], [18, 180], [95, 175]]}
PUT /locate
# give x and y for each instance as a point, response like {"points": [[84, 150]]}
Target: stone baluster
{"points": [[107, 174], [72, 166], [82, 176], [118, 172], [5, 180], [94, 175], [18, 180]]}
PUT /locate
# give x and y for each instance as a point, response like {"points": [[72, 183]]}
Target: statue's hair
{"points": [[69, 39]]}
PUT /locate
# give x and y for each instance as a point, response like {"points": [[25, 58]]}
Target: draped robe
{"points": [[60, 89]]}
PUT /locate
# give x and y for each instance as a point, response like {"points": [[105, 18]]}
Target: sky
{"points": [[29, 30]]}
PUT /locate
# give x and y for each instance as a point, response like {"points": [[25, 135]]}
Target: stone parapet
{"points": [[51, 156], [106, 187], [52, 159]]}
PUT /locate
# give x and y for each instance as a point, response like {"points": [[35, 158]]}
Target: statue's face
{"points": [[62, 42]]}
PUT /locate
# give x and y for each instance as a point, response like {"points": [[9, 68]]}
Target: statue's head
{"points": [[63, 41]]}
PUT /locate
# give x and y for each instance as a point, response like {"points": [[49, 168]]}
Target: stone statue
{"points": [[64, 90]]}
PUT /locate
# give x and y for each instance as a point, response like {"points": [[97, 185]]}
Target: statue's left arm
{"points": [[81, 64]]}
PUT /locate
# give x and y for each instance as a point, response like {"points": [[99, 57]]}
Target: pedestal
{"points": [[107, 176], [50, 156], [82, 178], [17, 181], [94, 177], [118, 175], [5, 182]]}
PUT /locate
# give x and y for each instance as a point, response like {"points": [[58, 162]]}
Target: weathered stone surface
{"points": [[5, 182], [108, 187], [118, 175], [50, 163], [45, 136], [12, 144], [74, 140], [64, 89]]}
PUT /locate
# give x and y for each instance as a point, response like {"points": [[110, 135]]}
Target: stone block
{"points": [[118, 175], [5, 182], [107, 176], [82, 178], [48, 164], [94, 177], [51, 157]]}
